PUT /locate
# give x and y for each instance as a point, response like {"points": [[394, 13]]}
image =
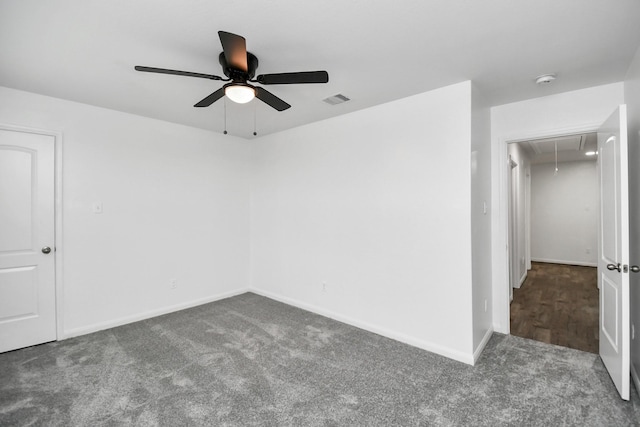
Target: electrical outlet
{"points": [[173, 283], [324, 286], [588, 250]]}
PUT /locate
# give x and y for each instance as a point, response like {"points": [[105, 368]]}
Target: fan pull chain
{"points": [[254, 119], [225, 115]]}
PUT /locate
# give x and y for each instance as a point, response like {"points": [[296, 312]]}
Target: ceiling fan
{"points": [[240, 67]]}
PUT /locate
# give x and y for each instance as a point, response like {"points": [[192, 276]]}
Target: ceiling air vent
{"points": [[336, 99]]}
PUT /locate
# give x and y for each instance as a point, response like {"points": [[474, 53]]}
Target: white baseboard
{"points": [[500, 328], [566, 262], [482, 345], [147, 315], [460, 356], [522, 279], [635, 377]]}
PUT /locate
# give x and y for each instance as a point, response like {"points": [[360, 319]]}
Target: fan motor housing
{"points": [[235, 74]]}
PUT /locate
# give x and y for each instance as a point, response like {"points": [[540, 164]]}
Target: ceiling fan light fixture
{"points": [[240, 67], [240, 93]]}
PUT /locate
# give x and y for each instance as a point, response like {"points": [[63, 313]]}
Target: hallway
{"points": [[558, 304]]}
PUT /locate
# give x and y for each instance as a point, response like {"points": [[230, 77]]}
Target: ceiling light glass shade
{"points": [[240, 93]]}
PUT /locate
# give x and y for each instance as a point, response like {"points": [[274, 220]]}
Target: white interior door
{"points": [[613, 249], [27, 268]]}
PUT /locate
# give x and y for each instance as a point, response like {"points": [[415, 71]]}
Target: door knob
{"points": [[635, 269], [46, 250], [614, 267]]}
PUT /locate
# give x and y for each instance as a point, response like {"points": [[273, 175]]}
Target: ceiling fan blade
{"points": [[293, 78], [270, 99], [235, 50], [177, 72], [211, 98]]}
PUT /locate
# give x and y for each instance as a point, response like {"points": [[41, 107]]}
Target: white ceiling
{"points": [[567, 148], [375, 52]]}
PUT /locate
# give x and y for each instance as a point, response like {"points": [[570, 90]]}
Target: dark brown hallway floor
{"points": [[558, 304]]}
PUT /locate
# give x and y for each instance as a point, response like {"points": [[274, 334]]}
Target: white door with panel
{"points": [[27, 232], [613, 249]]}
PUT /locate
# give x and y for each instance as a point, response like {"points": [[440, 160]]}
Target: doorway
{"points": [[553, 221]]}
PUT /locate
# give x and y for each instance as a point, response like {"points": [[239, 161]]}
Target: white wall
{"points": [[176, 205], [568, 112], [481, 220], [376, 204], [564, 213], [632, 99], [520, 177]]}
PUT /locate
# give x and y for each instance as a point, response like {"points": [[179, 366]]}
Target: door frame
{"points": [[512, 220], [500, 224], [58, 230]]}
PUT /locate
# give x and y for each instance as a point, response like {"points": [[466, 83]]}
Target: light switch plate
{"points": [[96, 207]]}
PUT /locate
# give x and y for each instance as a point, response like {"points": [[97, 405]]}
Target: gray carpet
{"points": [[248, 360]]}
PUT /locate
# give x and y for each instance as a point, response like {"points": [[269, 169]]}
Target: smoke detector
{"points": [[545, 79]]}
